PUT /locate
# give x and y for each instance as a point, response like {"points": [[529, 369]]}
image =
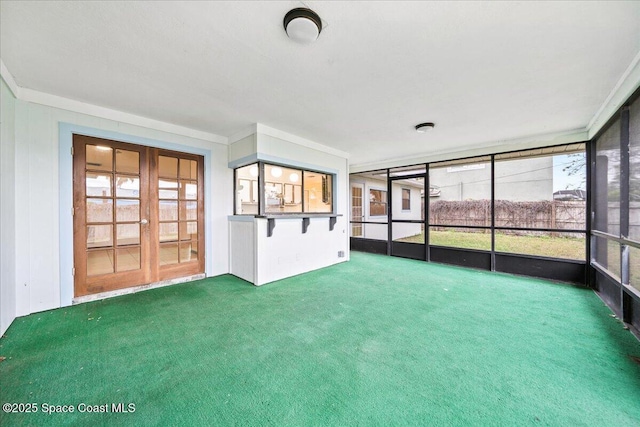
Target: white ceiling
{"points": [[483, 71]]}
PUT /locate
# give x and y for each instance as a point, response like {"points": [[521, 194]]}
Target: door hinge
{"points": [[72, 150], [73, 271], [73, 211]]}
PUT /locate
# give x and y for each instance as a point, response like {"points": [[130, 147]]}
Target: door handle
{"points": [[144, 221]]}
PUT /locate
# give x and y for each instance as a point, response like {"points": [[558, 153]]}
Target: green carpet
{"points": [[375, 341]]}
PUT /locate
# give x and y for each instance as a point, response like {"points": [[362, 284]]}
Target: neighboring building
{"points": [[516, 180]]}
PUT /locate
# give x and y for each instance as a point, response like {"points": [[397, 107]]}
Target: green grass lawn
{"points": [[557, 247]]}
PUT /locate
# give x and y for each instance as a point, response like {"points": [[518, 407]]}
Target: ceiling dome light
{"points": [[302, 25], [294, 177], [276, 172], [253, 171], [425, 127]]}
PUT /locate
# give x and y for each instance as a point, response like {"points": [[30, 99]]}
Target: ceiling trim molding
{"points": [[55, 101], [9, 80], [545, 140], [624, 88], [266, 130]]}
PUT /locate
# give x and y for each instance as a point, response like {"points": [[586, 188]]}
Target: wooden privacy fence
{"points": [[560, 215]]}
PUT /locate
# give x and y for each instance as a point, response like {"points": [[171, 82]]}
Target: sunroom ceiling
{"points": [[484, 72]]}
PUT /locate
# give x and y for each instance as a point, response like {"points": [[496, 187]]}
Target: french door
{"points": [[357, 215], [138, 215]]}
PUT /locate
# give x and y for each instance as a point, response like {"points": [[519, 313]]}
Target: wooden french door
{"points": [[138, 215]]}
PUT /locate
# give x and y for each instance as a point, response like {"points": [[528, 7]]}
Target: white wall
{"points": [[242, 247], [42, 238], [289, 252], [244, 148], [7, 205]]}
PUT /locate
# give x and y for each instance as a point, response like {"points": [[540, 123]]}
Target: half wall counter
{"points": [[266, 248]]}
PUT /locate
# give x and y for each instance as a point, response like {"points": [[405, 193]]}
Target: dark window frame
{"points": [[327, 193], [492, 228]]}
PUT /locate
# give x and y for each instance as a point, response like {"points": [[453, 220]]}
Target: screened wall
{"points": [[525, 212], [522, 212], [369, 211], [615, 234]]}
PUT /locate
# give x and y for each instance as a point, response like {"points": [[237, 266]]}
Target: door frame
{"points": [[65, 290], [403, 249]]}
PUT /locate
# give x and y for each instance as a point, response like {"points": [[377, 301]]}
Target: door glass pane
{"points": [[168, 189], [99, 157], [128, 234], [127, 210], [99, 236], [98, 184], [407, 196], [99, 262], [188, 169], [168, 210], [99, 210], [168, 231], [167, 167], [356, 211], [128, 259], [189, 230], [127, 161], [188, 211], [127, 186], [188, 190], [188, 251], [168, 254]]}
